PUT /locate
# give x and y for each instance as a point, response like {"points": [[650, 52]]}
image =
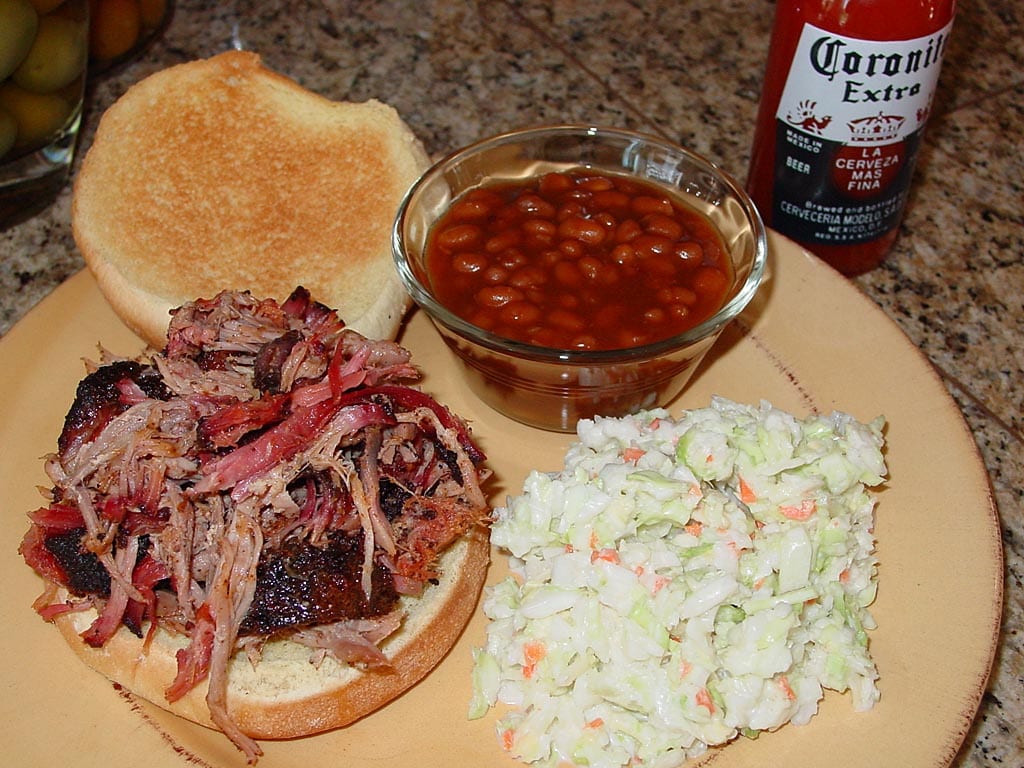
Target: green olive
{"points": [[39, 115], [8, 132], [57, 56], [18, 24]]}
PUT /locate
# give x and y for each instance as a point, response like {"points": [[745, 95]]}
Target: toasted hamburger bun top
{"points": [[286, 696], [220, 174]]}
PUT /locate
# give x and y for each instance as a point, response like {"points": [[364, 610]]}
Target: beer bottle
{"points": [[847, 91]]}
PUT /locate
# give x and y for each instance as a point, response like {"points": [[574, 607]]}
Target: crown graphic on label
{"points": [[875, 128]]}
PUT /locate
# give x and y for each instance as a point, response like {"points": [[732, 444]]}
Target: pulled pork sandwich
{"points": [[261, 528]]}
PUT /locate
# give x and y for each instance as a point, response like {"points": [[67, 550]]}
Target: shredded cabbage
{"points": [[681, 582]]}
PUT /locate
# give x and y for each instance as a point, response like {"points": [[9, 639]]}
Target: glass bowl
{"points": [[553, 388], [120, 30]]}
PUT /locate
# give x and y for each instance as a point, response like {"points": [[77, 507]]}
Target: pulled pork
{"points": [[267, 475]]}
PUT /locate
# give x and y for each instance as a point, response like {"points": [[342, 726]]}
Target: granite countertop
{"points": [[691, 72]]}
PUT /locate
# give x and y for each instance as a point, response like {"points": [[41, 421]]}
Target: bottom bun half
{"points": [[284, 695]]}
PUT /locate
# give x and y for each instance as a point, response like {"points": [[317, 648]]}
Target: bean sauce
{"points": [[578, 260]]}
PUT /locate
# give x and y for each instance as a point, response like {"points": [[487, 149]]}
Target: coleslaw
{"points": [[681, 582]]}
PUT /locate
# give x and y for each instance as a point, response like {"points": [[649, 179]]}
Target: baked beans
{"points": [[578, 260]]}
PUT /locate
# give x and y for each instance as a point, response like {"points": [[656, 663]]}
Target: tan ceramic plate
{"points": [[812, 342]]}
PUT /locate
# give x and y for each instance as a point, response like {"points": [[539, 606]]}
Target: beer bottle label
{"points": [[848, 128]]}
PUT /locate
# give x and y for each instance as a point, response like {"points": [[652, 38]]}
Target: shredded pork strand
{"points": [[234, 583], [355, 640], [264, 436]]}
